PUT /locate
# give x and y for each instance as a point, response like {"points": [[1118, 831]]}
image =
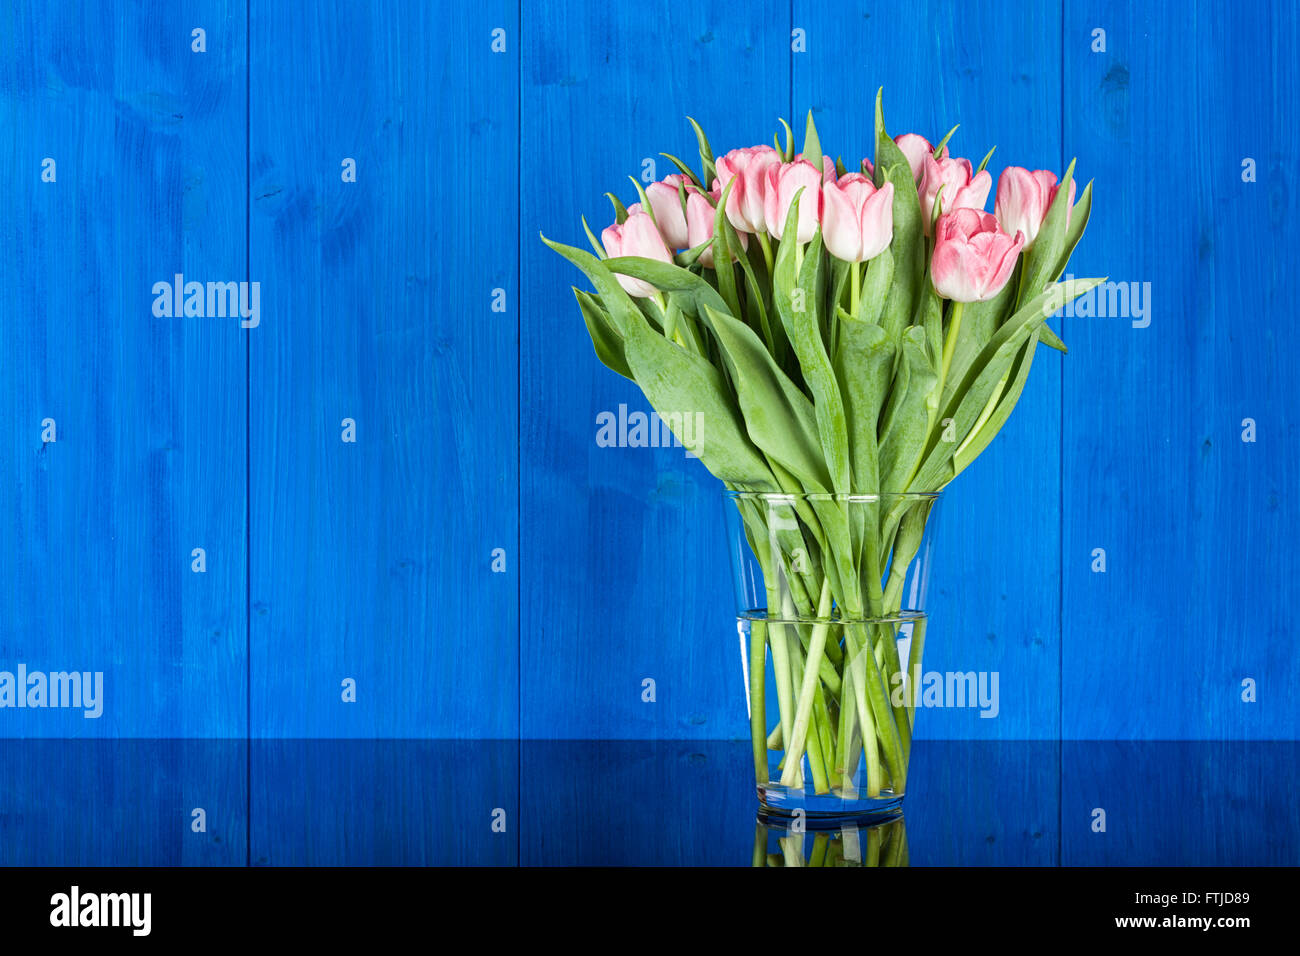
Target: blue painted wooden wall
{"points": [[372, 561]]}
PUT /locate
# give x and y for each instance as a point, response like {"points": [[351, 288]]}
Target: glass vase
{"points": [[830, 596]]}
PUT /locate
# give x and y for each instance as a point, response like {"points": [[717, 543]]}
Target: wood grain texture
{"points": [[97, 527], [625, 569], [372, 560], [944, 63], [1198, 526], [385, 803], [123, 802], [1180, 803]]}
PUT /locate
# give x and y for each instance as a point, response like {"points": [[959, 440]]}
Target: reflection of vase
{"points": [[830, 593], [787, 843]]}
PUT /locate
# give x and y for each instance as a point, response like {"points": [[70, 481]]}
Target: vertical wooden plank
{"points": [[147, 137], [372, 560], [127, 802], [625, 569], [148, 141], [994, 596], [1197, 524]]}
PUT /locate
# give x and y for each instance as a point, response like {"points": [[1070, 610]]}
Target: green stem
{"points": [[985, 415], [757, 690], [781, 671], [855, 287], [766, 246], [950, 343], [870, 749], [883, 713], [816, 762], [825, 735], [843, 736], [816, 650], [894, 682]]}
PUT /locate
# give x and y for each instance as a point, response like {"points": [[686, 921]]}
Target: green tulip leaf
{"points": [[706, 152], [907, 246], [979, 320], [970, 449], [863, 363], [679, 383], [786, 151], [620, 211], [1043, 257], [596, 247], [971, 396], [798, 302], [684, 170], [606, 341], [812, 144], [1050, 339], [672, 279], [1078, 223], [618, 305], [722, 255], [778, 416], [875, 287], [907, 421], [939, 146]]}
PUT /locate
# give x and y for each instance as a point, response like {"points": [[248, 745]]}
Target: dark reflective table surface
{"points": [[630, 803]]}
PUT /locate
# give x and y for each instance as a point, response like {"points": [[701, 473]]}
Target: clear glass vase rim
{"points": [[905, 616], [851, 497]]}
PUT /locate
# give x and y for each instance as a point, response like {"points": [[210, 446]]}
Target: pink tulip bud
{"points": [[783, 182], [973, 257], [961, 190], [916, 148], [699, 226], [857, 218], [828, 168], [868, 169], [667, 205], [1024, 198], [748, 167], [637, 236]]}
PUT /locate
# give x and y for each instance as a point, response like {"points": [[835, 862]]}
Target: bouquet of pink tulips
{"points": [[847, 335]]}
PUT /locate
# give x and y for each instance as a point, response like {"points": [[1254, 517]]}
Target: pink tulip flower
{"points": [[973, 257], [916, 148], [857, 218], [961, 190], [667, 206], [748, 167], [637, 236], [1024, 198], [828, 168], [783, 182], [699, 226]]}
